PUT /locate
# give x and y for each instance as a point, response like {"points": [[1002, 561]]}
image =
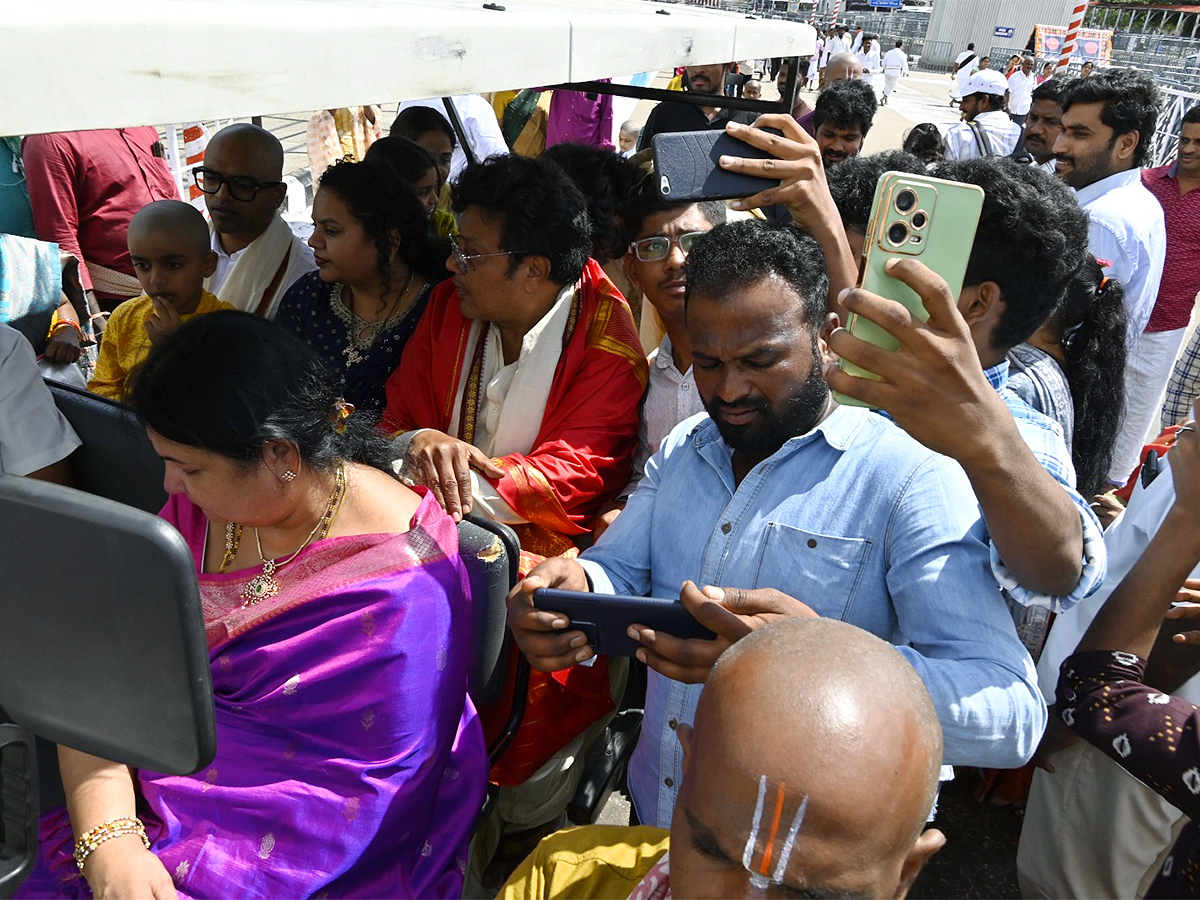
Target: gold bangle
{"points": [[90, 840]]}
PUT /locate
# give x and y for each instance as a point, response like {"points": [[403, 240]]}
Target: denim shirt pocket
{"points": [[818, 569]]}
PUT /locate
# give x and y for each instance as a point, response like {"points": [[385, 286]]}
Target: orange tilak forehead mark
{"points": [[763, 878], [767, 850]]}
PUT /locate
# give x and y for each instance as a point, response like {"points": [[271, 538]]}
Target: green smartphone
{"points": [[925, 218]]}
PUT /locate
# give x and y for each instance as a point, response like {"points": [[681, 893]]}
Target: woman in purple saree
{"points": [[350, 762]]}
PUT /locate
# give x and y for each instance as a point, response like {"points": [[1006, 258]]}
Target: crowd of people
{"points": [[965, 566]]}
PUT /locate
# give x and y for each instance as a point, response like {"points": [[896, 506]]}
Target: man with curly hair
{"points": [[842, 118]]}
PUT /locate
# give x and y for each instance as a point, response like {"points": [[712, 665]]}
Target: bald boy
{"points": [[169, 247], [258, 257], [813, 780]]}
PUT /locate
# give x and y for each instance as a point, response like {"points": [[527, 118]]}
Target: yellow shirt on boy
{"points": [[126, 346]]}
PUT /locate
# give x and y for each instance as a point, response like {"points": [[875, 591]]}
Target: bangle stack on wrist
{"points": [[92, 839], [67, 323]]}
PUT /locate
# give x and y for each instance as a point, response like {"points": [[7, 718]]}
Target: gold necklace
{"points": [[263, 585]]}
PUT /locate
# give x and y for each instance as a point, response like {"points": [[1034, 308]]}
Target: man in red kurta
{"points": [[85, 187], [520, 395]]}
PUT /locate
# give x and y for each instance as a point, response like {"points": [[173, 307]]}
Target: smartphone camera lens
{"points": [[905, 200], [898, 234], [919, 220]]}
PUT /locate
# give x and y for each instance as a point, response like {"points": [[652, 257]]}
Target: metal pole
{"points": [[173, 157]]}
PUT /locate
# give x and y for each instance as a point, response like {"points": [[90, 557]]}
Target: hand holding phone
{"points": [[605, 619], [546, 638], [933, 386], [686, 164]]}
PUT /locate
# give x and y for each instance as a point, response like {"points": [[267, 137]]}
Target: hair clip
{"points": [[1103, 282], [341, 412]]}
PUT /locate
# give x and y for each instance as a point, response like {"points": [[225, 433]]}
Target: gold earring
{"points": [[289, 476]]}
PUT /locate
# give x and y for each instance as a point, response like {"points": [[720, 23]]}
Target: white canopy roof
{"points": [[79, 64]]}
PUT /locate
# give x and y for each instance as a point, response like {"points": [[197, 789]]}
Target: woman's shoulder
{"points": [[307, 290], [388, 506]]}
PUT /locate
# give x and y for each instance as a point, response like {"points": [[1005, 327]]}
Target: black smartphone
{"points": [[603, 618], [685, 163]]}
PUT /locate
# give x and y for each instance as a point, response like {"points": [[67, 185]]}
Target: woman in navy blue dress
{"points": [[375, 270]]}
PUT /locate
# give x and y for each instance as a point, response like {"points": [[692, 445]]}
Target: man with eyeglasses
{"points": [[518, 398], [84, 188], [258, 257], [660, 233]]}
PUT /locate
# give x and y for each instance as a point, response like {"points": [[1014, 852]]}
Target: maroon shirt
{"points": [[1181, 273], [85, 186]]}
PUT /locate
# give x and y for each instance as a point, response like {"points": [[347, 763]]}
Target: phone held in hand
{"points": [[686, 165], [923, 218], [604, 618]]}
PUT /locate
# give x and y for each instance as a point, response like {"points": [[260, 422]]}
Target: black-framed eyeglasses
{"points": [[463, 260], [652, 249], [241, 187]]}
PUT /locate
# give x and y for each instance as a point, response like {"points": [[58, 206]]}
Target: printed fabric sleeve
{"points": [[1153, 736]]}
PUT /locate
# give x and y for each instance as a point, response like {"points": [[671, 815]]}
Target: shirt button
{"points": [[686, 386], [669, 782], [673, 724], [812, 542], [726, 528]]}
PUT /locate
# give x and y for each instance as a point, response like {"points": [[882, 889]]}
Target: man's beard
{"points": [[800, 413]]}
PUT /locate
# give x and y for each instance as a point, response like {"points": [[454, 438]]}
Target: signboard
{"points": [[1089, 45], [886, 4], [1004, 31]]}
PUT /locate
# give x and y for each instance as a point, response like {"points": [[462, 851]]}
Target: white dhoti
{"points": [[1092, 830], [889, 84], [1147, 371]]}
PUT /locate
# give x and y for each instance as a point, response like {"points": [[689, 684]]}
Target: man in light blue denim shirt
{"points": [[833, 506]]}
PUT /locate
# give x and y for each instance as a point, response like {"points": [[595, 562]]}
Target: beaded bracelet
{"points": [[92, 839]]}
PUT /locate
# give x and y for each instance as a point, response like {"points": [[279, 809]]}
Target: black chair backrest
{"points": [[102, 646], [116, 460], [491, 553]]}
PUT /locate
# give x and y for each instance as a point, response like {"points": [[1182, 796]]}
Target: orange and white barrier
{"points": [[1068, 44]]}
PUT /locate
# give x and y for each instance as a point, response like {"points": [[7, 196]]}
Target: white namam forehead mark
{"points": [[759, 877]]}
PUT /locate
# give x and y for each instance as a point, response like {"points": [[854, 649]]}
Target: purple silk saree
{"points": [[350, 762]]}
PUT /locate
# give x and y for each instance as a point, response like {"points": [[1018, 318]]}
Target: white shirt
{"points": [[834, 46], [300, 262], [479, 121], [869, 59], [1002, 133], [1020, 92], [1126, 540], [895, 62], [854, 47], [33, 433], [671, 397], [1126, 226]]}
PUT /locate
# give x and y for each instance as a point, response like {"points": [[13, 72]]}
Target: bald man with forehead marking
{"points": [[812, 779]]}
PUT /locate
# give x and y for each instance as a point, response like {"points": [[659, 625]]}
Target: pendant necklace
{"points": [[362, 334], [263, 585]]}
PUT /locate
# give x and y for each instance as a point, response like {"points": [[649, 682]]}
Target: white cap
{"points": [[986, 81]]}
